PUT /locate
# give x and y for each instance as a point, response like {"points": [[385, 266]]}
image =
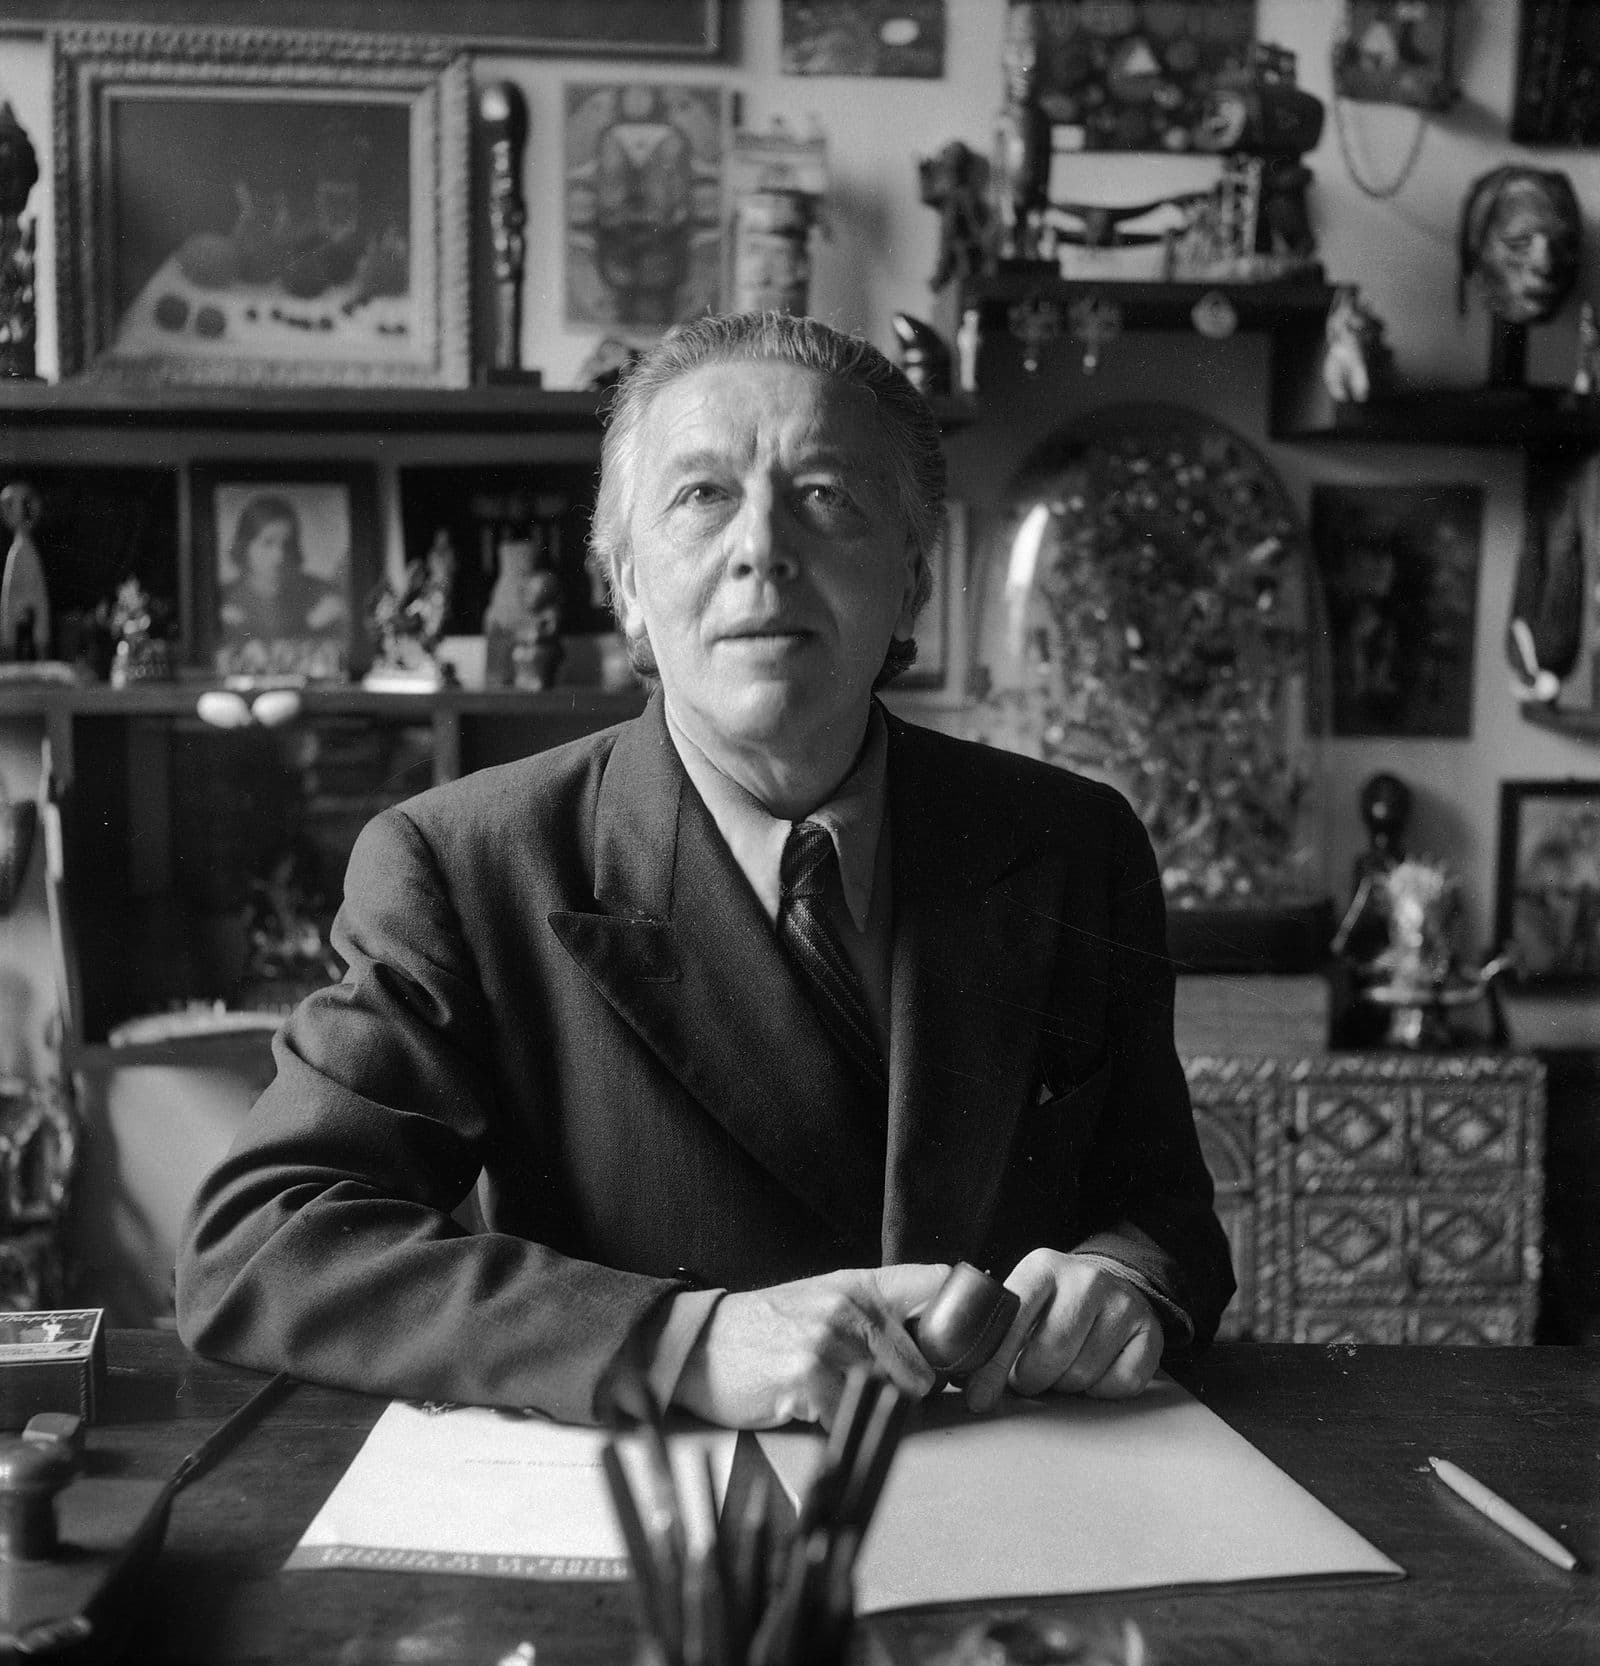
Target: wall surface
{"points": [[881, 247]]}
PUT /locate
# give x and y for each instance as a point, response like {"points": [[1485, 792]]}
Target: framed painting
{"points": [[285, 557], [633, 28], [864, 37], [1399, 572], [1547, 895], [943, 644], [1556, 100], [243, 209]]}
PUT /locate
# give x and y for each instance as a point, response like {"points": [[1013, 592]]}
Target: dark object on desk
{"points": [[965, 1323], [51, 1361], [76, 1549]]}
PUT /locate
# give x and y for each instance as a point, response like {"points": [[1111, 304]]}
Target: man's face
{"points": [[768, 561], [1530, 255]]}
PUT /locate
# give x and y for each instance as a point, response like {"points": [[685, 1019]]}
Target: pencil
{"points": [[1502, 1514]]}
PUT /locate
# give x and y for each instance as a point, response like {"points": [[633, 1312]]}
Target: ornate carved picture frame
{"points": [[238, 208]]}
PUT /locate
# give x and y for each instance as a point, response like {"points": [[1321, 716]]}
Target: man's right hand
{"points": [[773, 1356]]}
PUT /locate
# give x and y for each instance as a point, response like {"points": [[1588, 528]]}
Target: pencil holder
{"points": [[759, 1583]]}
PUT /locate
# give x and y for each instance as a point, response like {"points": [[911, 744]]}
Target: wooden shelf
{"points": [[1156, 306], [1526, 418], [1574, 725], [177, 699], [94, 403]]}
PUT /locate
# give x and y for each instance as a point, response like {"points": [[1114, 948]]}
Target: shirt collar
{"points": [[854, 818]]}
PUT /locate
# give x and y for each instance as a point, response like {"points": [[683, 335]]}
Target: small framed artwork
{"points": [[943, 629], [1399, 572], [285, 556], [864, 37], [643, 217], [1547, 896], [238, 208]]}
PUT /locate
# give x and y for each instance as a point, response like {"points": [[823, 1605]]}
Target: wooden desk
{"points": [[1354, 1425]]}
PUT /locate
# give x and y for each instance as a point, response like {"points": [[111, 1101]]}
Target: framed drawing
{"points": [[285, 556], [643, 178], [260, 209], [1399, 571], [1547, 897], [634, 28], [943, 643]]}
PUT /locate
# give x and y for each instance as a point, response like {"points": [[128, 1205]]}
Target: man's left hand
{"points": [[1080, 1330]]}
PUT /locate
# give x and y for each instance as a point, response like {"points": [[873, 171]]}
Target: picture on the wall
{"points": [[1399, 572], [1137, 75], [1556, 100], [285, 557], [238, 215], [643, 176], [864, 37], [1547, 899]]}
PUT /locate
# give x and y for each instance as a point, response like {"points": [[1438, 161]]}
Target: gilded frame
{"points": [[148, 120]]}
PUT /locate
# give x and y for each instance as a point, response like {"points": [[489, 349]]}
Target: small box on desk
{"points": [[51, 1360]]}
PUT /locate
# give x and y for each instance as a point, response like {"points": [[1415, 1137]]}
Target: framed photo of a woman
{"points": [[284, 558]]}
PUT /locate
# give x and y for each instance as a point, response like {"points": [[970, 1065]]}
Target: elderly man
{"points": [[752, 1013]]}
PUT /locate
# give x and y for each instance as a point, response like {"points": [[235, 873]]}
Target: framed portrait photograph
{"points": [[943, 639], [285, 557], [1547, 895], [238, 209]]}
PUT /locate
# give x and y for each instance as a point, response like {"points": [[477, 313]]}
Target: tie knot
{"points": [[807, 857]]}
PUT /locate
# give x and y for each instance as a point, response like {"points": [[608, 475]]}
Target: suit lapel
{"points": [[686, 956], [975, 934]]}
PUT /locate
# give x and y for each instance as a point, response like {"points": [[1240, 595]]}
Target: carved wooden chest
{"points": [[1378, 1197]]}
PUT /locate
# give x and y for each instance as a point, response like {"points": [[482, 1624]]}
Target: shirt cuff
{"points": [[687, 1314], [1177, 1326]]}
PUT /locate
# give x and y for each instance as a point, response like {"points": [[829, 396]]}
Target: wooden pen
{"points": [[1502, 1514]]}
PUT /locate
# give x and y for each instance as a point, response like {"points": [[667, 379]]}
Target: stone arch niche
{"points": [[1149, 622]]}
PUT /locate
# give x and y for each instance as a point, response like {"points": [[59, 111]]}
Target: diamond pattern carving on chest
{"points": [[1353, 1129], [1349, 1238], [1467, 1130]]}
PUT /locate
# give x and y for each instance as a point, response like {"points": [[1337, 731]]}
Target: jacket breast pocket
{"points": [[1054, 1135]]}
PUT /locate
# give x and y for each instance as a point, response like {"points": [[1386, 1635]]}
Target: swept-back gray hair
{"points": [[909, 427]]}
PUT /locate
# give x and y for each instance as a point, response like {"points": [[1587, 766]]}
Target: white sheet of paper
{"points": [[471, 1490], [1065, 1495]]}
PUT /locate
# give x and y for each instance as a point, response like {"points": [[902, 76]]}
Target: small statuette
{"points": [[505, 121]]}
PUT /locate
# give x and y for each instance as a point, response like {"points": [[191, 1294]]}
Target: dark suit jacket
{"points": [[559, 976]]}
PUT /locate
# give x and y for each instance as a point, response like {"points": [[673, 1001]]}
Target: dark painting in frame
{"points": [[1138, 75], [1556, 100], [633, 28], [1399, 573], [241, 210], [286, 557], [1547, 892]]}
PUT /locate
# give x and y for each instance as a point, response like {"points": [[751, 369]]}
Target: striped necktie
{"points": [[807, 872]]}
